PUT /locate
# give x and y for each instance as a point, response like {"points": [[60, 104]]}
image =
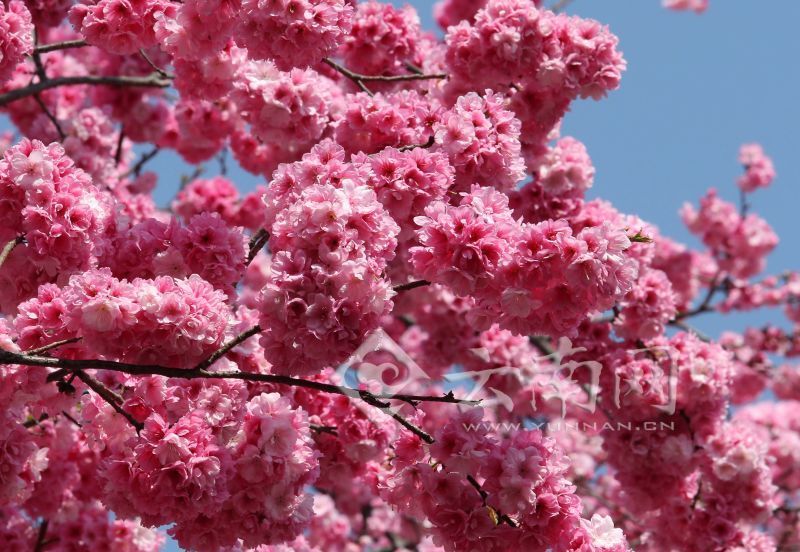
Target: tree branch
{"points": [[153, 66], [64, 366], [9, 247], [40, 537], [257, 242], [705, 304], [120, 143], [410, 147], [222, 351], [360, 79], [109, 396], [44, 48], [411, 285], [137, 168], [150, 81], [49, 346]]}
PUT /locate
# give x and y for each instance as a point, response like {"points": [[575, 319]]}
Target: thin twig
{"points": [[484, 496], [414, 68], [155, 67], [9, 247], [222, 158], [409, 147], [411, 285], [61, 135], [44, 48], [222, 351], [42, 74], [372, 400], [691, 329], [257, 242], [705, 304], [149, 81], [118, 152], [69, 417], [50, 346], [360, 79], [42, 534], [542, 344], [137, 168], [350, 75], [744, 205], [109, 396]]}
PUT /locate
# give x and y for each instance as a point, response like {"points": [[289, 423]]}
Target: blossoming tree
{"points": [[416, 335]]}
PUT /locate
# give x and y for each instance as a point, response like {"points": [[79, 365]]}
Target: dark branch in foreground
{"points": [[411, 285], [410, 147], [150, 81], [9, 247], [40, 537], [65, 367], [257, 242]]}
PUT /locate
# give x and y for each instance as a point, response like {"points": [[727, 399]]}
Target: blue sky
{"points": [[695, 89]]}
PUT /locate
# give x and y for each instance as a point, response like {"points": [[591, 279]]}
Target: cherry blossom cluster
{"points": [[326, 291], [759, 172], [16, 29], [739, 242], [532, 278], [174, 321], [52, 205], [220, 466]]}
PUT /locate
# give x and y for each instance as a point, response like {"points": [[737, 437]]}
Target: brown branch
{"points": [[484, 495], [109, 396], [9, 247], [350, 75], [120, 141], [149, 81], [222, 351], [137, 168], [372, 400], [41, 535], [257, 242], [50, 116], [42, 74], [691, 329], [705, 304], [360, 79], [323, 429], [64, 366], [409, 147], [49, 346], [411, 285], [69, 417], [44, 48], [153, 66]]}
